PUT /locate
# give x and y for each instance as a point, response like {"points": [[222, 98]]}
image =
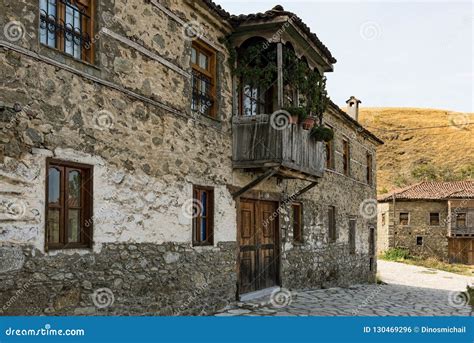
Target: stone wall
{"points": [[128, 116], [125, 279], [384, 233], [435, 243]]}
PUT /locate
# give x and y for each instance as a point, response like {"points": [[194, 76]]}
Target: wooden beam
{"points": [[269, 173], [280, 74], [302, 191]]}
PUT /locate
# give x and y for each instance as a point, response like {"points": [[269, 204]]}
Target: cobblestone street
{"points": [[396, 298]]}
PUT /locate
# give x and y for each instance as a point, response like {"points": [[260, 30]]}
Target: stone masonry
{"points": [[128, 115]]}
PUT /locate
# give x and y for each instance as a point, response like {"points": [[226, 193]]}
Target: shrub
{"points": [[396, 254], [322, 133]]}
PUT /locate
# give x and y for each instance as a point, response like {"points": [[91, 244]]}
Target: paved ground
{"points": [[408, 275], [410, 292]]}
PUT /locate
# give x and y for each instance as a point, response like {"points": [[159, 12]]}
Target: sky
{"points": [[390, 53]]}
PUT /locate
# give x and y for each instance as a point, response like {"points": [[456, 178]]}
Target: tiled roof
{"points": [[433, 190], [275, 12]]}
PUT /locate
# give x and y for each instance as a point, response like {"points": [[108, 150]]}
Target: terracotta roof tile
{"points": [[276, 11], [433, 190]]}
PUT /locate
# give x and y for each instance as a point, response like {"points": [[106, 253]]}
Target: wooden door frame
{"points": [[258, 196]]}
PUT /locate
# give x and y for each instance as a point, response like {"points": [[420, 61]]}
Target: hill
{"points": [[420, 144]]}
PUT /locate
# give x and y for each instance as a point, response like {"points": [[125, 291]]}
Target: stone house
{"points": [[138, 175], [430, 219]]}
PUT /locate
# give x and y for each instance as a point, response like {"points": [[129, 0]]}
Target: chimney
{"points": [[353, 107]]}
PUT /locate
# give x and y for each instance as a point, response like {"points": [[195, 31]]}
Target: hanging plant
{"points": [[257, 66], [322, 133]]}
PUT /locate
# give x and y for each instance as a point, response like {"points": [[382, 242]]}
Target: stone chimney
{"points": [[353, 107]]}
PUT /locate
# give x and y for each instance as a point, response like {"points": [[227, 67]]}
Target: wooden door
{"points": [[461, 250], [258, 244]]}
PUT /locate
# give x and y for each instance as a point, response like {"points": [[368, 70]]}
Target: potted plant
{"points": [[322, 133], [308, 122], [297, 114]]}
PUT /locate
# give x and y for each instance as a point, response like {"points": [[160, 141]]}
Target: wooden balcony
{"points": [[259, 145]]}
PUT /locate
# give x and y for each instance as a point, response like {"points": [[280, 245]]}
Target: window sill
{"points": [[195, 245], [62, 57], [69, 247]]}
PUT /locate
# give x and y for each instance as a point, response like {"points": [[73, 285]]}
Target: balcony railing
{"points": [[260, 144]]}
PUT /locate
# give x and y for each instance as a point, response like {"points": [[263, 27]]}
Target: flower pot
{"points": [[308, 123], [293, 119]]}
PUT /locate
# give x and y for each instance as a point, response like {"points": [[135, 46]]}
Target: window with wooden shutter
{"points": [[330, 153], [434, 219], [332, 224], [352, 236], [68, 25], [203, 216], [404, 218], [346, 157], [297, 210], [68, 205], [369, 175], [372, 240]]}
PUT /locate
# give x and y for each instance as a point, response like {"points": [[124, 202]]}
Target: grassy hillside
{"points": [[421, 144]]}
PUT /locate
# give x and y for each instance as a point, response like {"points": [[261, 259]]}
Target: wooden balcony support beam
{"points": [[302, 191], [269, 173]]}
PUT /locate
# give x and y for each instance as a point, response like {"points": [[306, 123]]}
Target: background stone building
{"points": [[120, 188], [430, 219]]}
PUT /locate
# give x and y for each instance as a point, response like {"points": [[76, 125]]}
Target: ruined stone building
{"points": [[430, 219], [135, 163]]}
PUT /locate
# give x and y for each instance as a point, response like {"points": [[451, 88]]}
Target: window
{"points": [[461, 219], [203, 62], [384, 218], [372, 240], [255, 100], [332, 223], [68, 205], [352, 236], [67, 25], [297, 210], [434, 218], [419, 240], [404, 218], [330, 153], [369, 169], [346, 157], [203, 216]]}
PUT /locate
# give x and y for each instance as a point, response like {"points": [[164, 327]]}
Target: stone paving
{"points": [[360, 300]]}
